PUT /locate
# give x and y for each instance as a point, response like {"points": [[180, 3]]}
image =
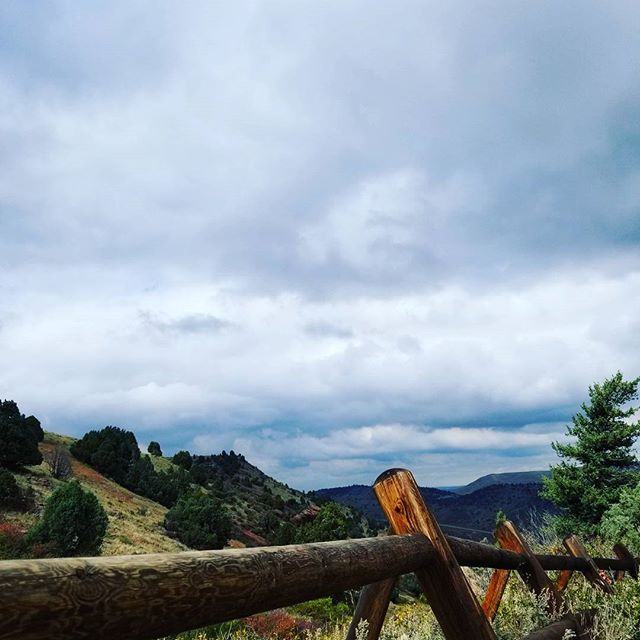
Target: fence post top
{"points": [[389, 473]]}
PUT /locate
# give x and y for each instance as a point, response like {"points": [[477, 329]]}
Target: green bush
{"points": [[73, 522], [183, 459], [330, 524], [11, 497], [200, 521], [154, 448], [621, 522], [111, 451], [19, 437]]}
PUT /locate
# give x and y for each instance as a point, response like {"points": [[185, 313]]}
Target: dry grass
{"points": [[135, 523]]}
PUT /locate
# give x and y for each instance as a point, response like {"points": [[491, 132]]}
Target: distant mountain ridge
{"points": [[512, 477], [465, 513]]}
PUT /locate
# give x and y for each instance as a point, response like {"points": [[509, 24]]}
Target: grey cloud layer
{"points": [[316, 216]]}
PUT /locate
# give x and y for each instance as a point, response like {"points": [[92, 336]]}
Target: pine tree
{"points": [[73, 521], [599, 462]]}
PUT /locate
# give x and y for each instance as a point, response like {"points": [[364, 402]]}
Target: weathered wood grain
{"points": [[624, 555], [532, 572], [454, 604], [495, 591], [152, 595], [372, 606], [575, 547], [563, 580]]}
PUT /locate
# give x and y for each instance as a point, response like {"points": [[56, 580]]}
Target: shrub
{"points": [[19, 437], [276, 624], [111, 451], [11, 497], [12, 541], [200, 521], [73, 521], [621, 522], [183, 459], [162, 487], [154, 448], [330, 524]]}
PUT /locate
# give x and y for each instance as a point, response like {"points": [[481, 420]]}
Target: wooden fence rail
{"points": [[148, 596]]}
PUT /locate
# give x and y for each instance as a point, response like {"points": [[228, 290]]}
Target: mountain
{"points": [[258, 505], [470, 515], [136, 524], [515, 477]]}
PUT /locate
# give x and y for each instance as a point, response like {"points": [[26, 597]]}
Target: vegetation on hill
{"points": [[512, 477], [469, 515], [600, 462], [19, 437], [200, 521], [115, 452], [73, 523], [214, 500]]}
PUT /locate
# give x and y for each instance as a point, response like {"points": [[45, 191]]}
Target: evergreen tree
{"points": [[599, 462], [73, 521], [154, 448], [200, 521], [183, 459], [19, 437], [110, 450]]}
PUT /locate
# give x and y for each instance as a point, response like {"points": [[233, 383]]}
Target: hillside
{"points": [[135, 523], [515, 477], [258, 505], [469, 515]]}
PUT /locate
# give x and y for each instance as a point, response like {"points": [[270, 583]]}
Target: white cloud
{"points": [[246, 215]]}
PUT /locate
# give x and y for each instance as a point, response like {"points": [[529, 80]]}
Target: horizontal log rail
{"points": [[157, 594], [152, 595]]}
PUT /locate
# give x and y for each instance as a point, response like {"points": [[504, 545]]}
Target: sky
{"points": [[333, 236]]}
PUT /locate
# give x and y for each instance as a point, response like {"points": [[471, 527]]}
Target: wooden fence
{"points": [[148, 596]]}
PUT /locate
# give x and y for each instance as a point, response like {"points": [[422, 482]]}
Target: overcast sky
{"points": [[333, 236]]}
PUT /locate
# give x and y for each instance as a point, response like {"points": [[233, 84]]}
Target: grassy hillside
{"points": [[257, 504], [135, 523]]}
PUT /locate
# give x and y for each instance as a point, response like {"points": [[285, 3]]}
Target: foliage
{"points": [[322, 610], [58, 462], [602, 451], [154, 448], [19, 437], [331, 523], [163, 487], [73, 521], [278, 624], [200, 521], [621, 522], [183, 459], [111, 450], [115, 452], [12, 541], [11, 496]]}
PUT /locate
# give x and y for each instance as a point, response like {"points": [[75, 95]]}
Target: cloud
{"points": [[194, 323], [242, 217]]}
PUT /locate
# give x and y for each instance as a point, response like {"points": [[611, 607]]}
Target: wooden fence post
{"points": [[495, 591], [575, 547], [624, 554], [454, 604], [372, 606], [533, 574], [563, 580]]}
